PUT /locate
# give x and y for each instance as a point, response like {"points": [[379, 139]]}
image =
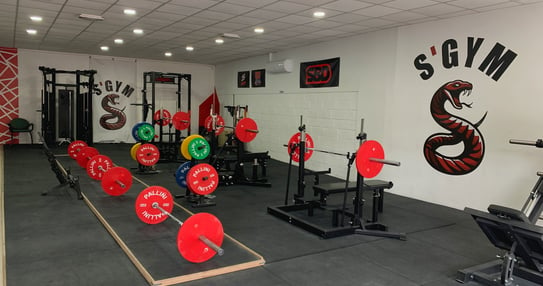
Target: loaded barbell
{"points": [[370, 156], [199, 238], [115, 181], [246, 129]]}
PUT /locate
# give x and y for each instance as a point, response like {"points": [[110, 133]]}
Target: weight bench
{"points": [[522, 241], [376, 186]]}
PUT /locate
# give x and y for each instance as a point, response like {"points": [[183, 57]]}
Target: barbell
{"points": [[246, 129], [195, 146], [181, 120], [370, 156], [199, 238], [115, 181], [162, 117]]}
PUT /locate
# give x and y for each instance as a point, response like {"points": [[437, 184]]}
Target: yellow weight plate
{"points": [[184, 148], [134, 149]]}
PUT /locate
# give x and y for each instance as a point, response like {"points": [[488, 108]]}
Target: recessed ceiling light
{"points": [[129, 12], [219, 41], [118, 41], [138, 31], [104, 48], [36, 18], [319, 14], [31, 31], [168, 54], [259, 30], [189, 48]]}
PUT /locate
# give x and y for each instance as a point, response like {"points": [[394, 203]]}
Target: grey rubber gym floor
{"points": [[57, 240]]}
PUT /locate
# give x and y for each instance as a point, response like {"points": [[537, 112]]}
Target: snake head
{"points": [[113, 98], [457, 91]]}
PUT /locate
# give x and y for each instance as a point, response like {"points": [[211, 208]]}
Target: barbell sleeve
{"points": [[522, 142], [538, 143], [202, 238], [384, 161], [211, 244], [252, 130]]}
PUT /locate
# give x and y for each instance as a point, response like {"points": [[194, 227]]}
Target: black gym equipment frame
{"points": [[84, 79], [169, 149], [355, 223], [222, 162], [515, 232]]}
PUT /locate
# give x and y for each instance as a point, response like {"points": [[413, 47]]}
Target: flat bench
{"points": [[376, 186]]}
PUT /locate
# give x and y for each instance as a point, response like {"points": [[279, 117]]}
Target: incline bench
{"points": [[377, 186]]}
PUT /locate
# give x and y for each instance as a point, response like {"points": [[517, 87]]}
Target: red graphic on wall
{"points": [[461, 131], [9, 92]]}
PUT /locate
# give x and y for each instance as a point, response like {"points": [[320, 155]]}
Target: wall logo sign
{"points": [[114, 118], [456, 92], [324, 73]]}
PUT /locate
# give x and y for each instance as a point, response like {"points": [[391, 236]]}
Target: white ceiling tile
{"points": [[472, 4], [246, 20], [407, 5], [346, 5], [497, 6], [199, 21], [202, 4], [376, 22], [176, 9], [214, 15], [325, 24], [312, 2], [438, 9], [136, 4], [233, 9], [251, 3], [265, 14], [404, 16], [287, 7], [348, 18], [376, 11], [91, 5], [295, 19]]}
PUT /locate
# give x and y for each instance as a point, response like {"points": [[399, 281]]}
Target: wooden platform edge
{"points": [[209, 273], [120, 242], [3, 281], [178, 279]]}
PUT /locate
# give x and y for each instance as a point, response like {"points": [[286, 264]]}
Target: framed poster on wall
{"points": [[258, 78], [243, 79]]}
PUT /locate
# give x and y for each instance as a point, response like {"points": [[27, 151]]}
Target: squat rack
{"points": [[168, 149], [83, 104]]}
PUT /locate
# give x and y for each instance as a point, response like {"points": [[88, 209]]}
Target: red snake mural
{"points": [[114, 113], [461, 131]]}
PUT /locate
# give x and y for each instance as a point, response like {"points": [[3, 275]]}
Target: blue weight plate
{"points": [[181, 174], [135, 131]]}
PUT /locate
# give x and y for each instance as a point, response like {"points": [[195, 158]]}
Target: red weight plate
{"points": [[162, 117], [189, 244], [246, 130], [219, 124], [98, 165], [181, 120], [144, 204], [295, 140], [202, 179], [85, 155], [366, 167], [117, 181], [147, 154], [75, 147]]}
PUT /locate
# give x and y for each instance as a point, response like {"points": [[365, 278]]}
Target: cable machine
{"points": [[58, 101], [168, 136]]}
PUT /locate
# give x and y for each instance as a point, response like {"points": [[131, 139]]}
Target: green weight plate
{"points": [[199, 148], [146, 132]]}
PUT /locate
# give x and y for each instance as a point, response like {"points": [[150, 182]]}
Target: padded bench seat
{"points": [[376, 186]]}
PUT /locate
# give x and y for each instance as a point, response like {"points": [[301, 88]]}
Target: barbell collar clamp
{"points": [[384, 161]]}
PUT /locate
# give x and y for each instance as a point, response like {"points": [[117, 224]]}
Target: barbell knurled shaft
{"points": [[156, 206]]}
